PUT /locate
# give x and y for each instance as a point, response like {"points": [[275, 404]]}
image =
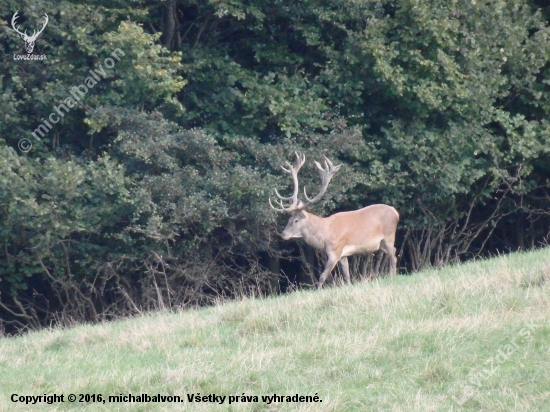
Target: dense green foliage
{"points": [[152, 189]]}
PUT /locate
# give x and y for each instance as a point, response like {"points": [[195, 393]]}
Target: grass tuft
{"points": [[538, 278]]}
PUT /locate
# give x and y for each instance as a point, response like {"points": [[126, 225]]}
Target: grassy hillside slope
{"points": [[470, 337]]}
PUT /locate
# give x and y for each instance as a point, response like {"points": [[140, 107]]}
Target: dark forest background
{"points": [[152, 192]]}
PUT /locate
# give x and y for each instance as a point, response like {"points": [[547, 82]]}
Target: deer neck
{"points": [[314, 233]]}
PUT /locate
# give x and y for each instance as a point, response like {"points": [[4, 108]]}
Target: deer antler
{"points": [[13, 20], [326, 175], [35, 34], [293, 171], [295, 204]]}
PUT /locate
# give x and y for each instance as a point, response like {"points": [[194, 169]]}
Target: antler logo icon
{"points": [[29, 40]]}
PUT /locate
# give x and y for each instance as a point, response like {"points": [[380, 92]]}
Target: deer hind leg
{"points": [[344, 266], [378, 262], [331, 262], [390, 251]]}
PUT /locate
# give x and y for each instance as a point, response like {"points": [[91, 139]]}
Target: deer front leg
{"points": [[331, 262]]}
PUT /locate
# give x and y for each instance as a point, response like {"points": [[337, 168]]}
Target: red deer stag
{"points": [[343, 234]]}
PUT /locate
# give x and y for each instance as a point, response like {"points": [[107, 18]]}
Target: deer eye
{"points": [[295, 220]]}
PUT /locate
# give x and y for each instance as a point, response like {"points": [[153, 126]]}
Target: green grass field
{"points": [[474, 337]]}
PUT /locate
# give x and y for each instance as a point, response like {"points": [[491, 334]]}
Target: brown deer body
{"points": [[343, 234]]}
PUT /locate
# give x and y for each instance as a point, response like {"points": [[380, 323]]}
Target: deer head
{"points": [[295, 206]]}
